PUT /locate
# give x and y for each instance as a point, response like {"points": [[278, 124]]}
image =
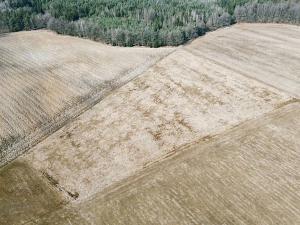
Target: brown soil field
{"points": [[180, 99], [47, 79], [269, 54], [220, 102], [247, 175]]}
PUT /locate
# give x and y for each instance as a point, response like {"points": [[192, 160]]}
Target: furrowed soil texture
{"points": [[47, 79], [248, 175], [226, 106]]}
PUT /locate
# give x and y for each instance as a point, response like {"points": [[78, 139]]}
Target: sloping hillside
{"points": [[224, 104], [47, 79], [180, 99], [248, 175], [267, 53]]}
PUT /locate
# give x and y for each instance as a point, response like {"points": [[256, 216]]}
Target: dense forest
{"points": [[141, 22]]}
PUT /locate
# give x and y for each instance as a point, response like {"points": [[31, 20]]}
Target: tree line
{"points": [[267, 12], [151, 23]]}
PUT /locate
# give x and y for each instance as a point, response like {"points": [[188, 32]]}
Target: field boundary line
{"points": [[237, 71], [84, 103], [205, 142], [183, 152]]}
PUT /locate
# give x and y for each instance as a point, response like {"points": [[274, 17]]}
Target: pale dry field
{"points": [[247, 175], [186, 99], [267, 53], [180, 99], [47, 79]]}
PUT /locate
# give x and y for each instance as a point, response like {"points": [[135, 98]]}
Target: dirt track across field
{"points": [[225, 97]]}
